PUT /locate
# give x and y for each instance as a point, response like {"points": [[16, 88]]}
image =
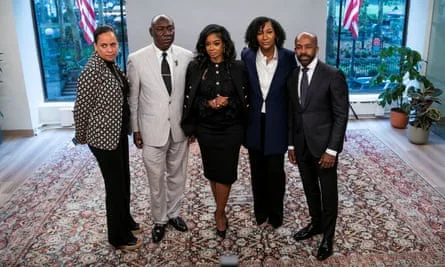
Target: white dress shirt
{"points": [[266, 71]]}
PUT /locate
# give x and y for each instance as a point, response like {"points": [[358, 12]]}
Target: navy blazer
{"points": [[275, 139], [321, 121]]}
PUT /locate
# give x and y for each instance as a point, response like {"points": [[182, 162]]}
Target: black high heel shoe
{"points": [[222, 233]]}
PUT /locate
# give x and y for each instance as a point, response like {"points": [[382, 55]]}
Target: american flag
{"points": [[87, 19], [350, 21]]}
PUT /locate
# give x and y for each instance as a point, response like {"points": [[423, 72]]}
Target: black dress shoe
{"points": [[158, 232], [275, 222], [307, 232], [325, 249], [135, 228], [179, 224], [260, 220]]}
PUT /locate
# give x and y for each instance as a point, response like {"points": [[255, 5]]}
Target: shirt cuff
{"points": [[290, 148], [331, 152]]}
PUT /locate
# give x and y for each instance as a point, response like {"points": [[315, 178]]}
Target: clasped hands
{"points": [[218, 102], [326, 160]]}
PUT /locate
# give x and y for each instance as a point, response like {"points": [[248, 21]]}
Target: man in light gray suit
{"points": [[157, 81]]}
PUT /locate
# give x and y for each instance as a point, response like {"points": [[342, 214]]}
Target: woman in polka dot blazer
{"points": [[101, 117]]}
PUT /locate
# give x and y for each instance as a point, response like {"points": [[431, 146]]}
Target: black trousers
{"points": [[115, 169], [320, 188], [268, 184]]}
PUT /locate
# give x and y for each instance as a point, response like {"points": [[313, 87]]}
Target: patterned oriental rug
{"points": [[388, 216]]}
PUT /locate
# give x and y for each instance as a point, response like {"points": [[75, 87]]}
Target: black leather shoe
{"points": [[135, 228], [158, 232], [179, 224], [260, 220], [275, 222], [309, 231], [325, 249]]}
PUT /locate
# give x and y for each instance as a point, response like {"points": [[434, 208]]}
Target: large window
{"points": [[65, 45], [381, 23]]}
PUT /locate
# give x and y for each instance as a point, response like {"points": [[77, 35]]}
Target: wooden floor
{"points": [[20, 157]]}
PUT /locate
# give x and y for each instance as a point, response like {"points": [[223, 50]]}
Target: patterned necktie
{"points": [[303, 86], [166, 75]]}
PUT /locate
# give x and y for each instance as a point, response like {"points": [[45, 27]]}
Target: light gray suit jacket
{"points": [[153, 112]]}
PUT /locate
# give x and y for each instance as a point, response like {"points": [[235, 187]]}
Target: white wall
{"points": [[29, 58], [419, 25], [13, 94], [21, 97], [192, 16]]}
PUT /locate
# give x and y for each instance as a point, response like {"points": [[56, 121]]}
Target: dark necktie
{"points": [[303, 86], [165, 71]]}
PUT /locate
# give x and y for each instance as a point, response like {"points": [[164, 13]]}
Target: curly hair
{"points": [[229, 53], [257, 24]]}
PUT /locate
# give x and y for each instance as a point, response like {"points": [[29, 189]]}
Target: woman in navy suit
{"points": [[268, 65], [214, 111]]}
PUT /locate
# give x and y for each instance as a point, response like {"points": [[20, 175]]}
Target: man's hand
{"points": [[137, 140], [291, 156], [327, 161]]}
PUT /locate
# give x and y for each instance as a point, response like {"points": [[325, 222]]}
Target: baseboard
{"points": [[18, 133]]}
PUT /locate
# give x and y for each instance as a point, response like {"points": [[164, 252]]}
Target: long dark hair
{"points": [[257, 24], [229, 53]]}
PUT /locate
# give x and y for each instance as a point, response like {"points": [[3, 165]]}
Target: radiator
{"points": [[366, 108], [66, 117]]}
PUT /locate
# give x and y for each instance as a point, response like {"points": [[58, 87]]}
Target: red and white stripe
{"points": [[87, 19], [350, 20]]}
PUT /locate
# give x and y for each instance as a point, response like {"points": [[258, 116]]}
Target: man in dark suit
{"points": [[268, 65], [318, 115]]}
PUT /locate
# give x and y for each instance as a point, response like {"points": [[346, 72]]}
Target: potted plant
{"points": [[423, 114], [396, 81]]}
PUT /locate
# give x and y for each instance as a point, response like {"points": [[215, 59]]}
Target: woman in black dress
{"points": [[214, 110]]}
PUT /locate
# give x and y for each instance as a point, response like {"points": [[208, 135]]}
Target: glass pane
{"points": [[65, 44], [436, 57], [380, 24]]}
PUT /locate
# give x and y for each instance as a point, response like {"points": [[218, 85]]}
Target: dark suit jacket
{"points": [[275, 139], [323, 119], [192, 81]]}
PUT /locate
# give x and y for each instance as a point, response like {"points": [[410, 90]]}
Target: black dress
{"points": [[219, 132]]}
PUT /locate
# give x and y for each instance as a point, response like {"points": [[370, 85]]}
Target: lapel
{"points": [[277, 73], [154, 67], [317, 78], [175, 69], [251, 65]]}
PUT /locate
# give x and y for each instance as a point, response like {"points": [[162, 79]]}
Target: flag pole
{"points": [[337, 65], [338, 50]]}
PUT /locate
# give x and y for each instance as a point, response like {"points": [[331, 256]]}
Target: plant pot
{"points": [[398, 119], [417, 135]]}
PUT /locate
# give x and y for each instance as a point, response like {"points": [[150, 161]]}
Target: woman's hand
{"points": [[218, 102]]}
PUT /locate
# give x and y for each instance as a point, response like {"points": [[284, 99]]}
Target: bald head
{"points": [[306, 47], [161, 16], [162, 30], [307, 35]]}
